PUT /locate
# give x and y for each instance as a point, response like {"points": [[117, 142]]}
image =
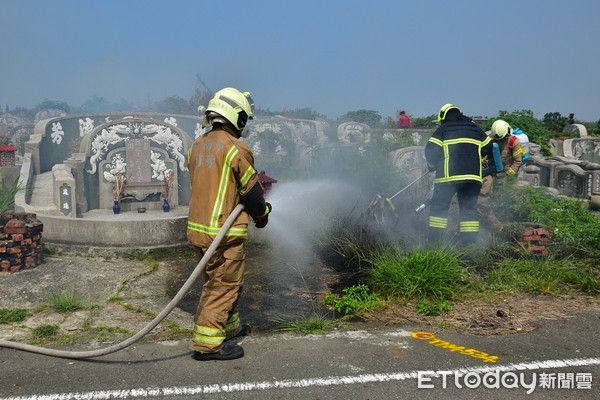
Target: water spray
{"points": [[144, 331]]}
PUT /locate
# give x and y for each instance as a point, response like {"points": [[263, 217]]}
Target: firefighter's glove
{"points": [[261, 222]]}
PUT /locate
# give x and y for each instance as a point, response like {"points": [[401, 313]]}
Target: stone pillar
{"points": [[64, 190], [76, 164]]}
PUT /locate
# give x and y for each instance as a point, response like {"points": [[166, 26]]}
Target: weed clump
{"points": [[67, 301], [428, 273], [8, 316]]}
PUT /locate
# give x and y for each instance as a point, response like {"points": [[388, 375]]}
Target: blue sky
{"points": [[331, 56]]}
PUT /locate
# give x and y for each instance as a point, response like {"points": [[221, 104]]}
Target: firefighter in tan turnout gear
{"points": [[511, 154], [222, 175]]}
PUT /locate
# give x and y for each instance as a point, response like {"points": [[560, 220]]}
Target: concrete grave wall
{"points": [[584, 148]]}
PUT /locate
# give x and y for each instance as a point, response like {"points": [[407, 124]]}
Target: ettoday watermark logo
{"points": [[507, 380]]}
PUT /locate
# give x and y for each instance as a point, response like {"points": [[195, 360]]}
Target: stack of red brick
{"points": [[20, 242], [537, 241]]}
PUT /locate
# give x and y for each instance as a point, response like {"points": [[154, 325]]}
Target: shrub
{"points": [[356, 299]]}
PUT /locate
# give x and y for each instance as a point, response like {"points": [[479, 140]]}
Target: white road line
{"points": [[298, 383]]}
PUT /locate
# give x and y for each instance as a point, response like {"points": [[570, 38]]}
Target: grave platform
{"points": [[121, 233]]}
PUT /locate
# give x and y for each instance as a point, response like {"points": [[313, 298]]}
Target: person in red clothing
{"points": [[404, 120]]}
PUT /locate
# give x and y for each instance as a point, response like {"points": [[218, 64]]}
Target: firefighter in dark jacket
{"points": [[222, 175], [454, 152]]}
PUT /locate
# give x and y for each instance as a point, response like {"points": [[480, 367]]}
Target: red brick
{"points": [[17, 237], [26, 241], [15, 223], [3, 236], [528, 233], [15, 230], [15, 268], [30, 265], [14, 250], [3, 249], [532, 238], [537, 248]]}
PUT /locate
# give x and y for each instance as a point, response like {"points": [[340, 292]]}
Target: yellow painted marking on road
{"points": [[452, 347]]}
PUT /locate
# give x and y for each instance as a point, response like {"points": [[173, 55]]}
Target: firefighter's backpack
{"points": [[511, 144]]}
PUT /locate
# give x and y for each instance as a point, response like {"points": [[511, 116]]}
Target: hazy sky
{"points": [[332, 56]]}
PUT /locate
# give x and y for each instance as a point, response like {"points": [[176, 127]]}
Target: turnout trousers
{"points": [[484, 207], [467, 194], [217, 318]]}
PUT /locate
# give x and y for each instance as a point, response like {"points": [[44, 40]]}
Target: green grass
{"points": [[421, 274], [45, 331], [7, 196], [315, 324], [542, 276], [8, 316], [433, 308], [67, 301], [356, 299]]}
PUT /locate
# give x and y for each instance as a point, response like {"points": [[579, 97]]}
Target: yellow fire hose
{"points": [[144, 331]]}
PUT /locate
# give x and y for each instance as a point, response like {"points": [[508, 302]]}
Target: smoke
{"points": [[304, 208]]}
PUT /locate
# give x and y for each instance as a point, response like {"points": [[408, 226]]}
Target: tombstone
{"points": [[547, 167], [295, 140], [586, 148], [580, 129], [410, 159], [530, 175], [270, 138], [10, 120], [572, 180], [354, 133], [141, 150], [49, 113]]}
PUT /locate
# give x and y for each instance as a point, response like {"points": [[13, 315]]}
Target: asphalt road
{"points": [[559, 360]]}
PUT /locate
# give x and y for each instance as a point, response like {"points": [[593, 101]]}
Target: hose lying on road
{"points": [[119, 346]]}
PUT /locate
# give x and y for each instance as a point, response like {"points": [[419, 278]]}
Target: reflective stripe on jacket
{"points": [[221, 171], [455, 150]]}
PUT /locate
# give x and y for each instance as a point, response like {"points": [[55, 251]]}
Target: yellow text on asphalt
{"points": [[452, 347]]}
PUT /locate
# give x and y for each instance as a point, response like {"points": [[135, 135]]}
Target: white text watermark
{"points": [[508, 380]]}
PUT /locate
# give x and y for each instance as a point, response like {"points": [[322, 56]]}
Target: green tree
{"points": [[51, 104], [596, 130], [369, 117], [175, 105], [94, 105], [554, 121], [302, 113], [525, 120]]}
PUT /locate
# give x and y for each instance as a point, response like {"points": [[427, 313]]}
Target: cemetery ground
{"points": [[79, 301], [74, 299]]}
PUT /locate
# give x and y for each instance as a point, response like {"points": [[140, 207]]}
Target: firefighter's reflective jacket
{"points": [[511, 152], [455, 151], [221, 173]]}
